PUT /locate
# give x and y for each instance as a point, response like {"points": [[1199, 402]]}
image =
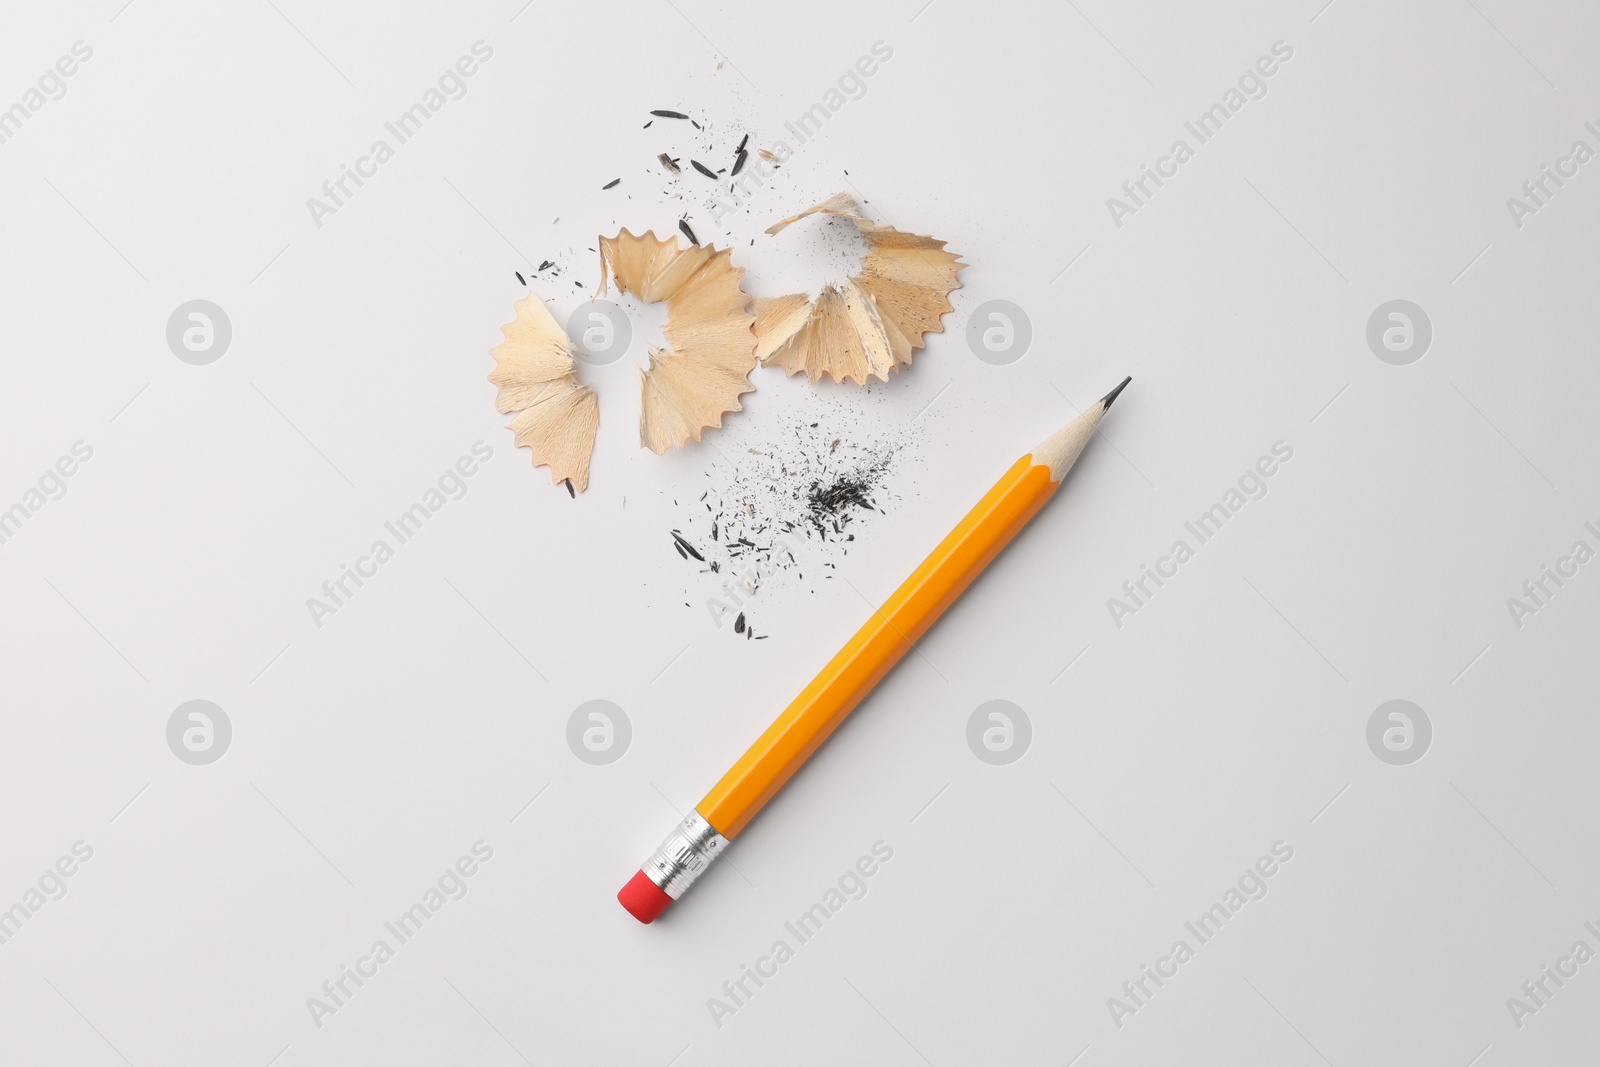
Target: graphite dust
{"points": [[778, 513]]}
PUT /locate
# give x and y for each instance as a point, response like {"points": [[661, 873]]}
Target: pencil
{"points": [[880, 643]]}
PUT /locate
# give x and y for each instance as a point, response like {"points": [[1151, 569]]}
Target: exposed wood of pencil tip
{"points": [[1061, 449]]}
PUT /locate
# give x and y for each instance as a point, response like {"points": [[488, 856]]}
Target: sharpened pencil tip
{"points": [[1105, 401]]}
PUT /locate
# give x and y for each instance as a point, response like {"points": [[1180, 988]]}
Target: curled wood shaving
{"points": [[869, 325], [556, 415], [706, 367]]}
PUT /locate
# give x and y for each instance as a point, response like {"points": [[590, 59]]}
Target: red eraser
{"points": [[644, 899]]}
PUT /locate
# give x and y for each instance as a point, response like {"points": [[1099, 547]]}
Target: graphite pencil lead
{"points": [[1105, 401]]}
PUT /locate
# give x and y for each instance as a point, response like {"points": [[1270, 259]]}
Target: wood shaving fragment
{"points": [[706, 367], [556, 415], [868, 326]]}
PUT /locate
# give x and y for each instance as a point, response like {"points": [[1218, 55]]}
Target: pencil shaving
{"points": [[689, 386], [869, 325], [556, 415]]}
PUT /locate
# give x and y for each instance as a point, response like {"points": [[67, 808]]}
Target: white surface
{"points": [[370, 753]]}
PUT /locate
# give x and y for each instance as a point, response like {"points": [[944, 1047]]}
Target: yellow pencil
{"points": [[860, 665]]}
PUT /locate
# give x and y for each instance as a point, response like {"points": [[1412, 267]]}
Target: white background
{"points": [[1228, 714]]}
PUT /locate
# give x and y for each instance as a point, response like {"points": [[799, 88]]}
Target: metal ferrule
{"points": [[684, 855]]}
